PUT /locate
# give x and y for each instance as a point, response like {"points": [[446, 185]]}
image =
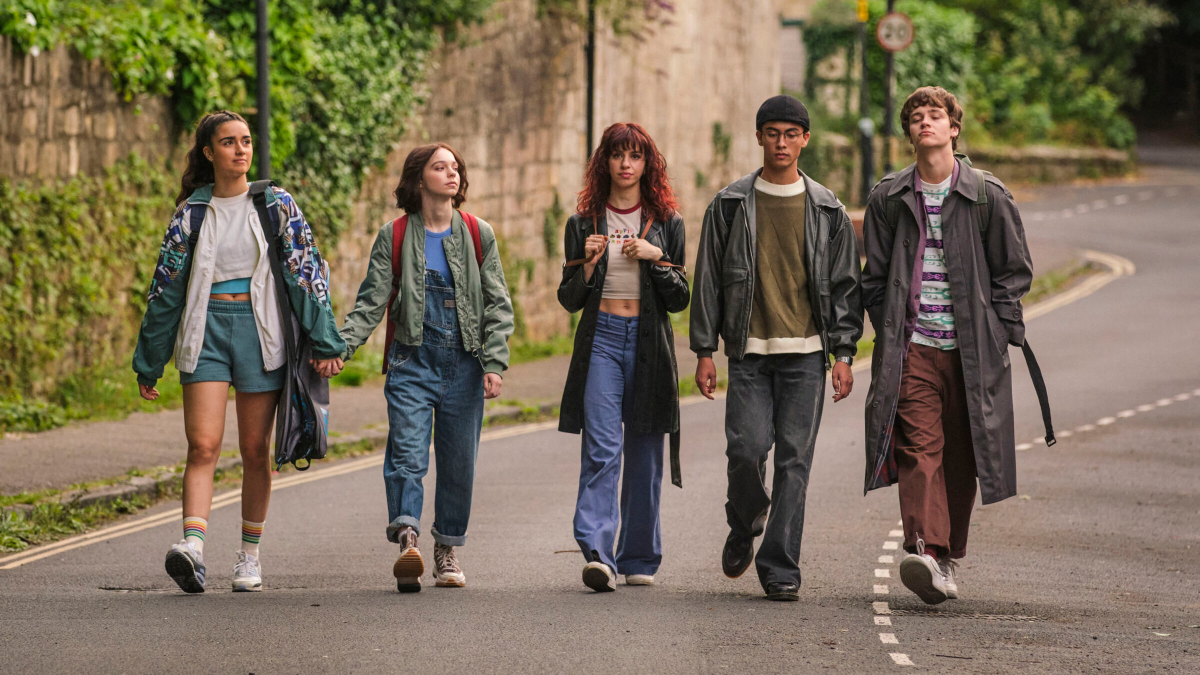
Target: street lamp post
{"points": [[262, 93], [889, 104], [866, 127]]}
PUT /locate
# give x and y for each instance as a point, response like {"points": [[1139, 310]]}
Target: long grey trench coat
{"points": [[990, 271]]}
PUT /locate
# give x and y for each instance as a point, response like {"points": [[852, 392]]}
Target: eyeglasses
{"points": [[773, 135]]}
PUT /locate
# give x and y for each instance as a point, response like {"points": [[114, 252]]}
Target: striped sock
{"points": [[194, 530], [251, 534]]}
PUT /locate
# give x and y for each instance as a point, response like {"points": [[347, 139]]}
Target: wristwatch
{"points": [[848, 360]]}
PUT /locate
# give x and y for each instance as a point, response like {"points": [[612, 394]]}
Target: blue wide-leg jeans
{"points": [[607, 400], [436, 387]]}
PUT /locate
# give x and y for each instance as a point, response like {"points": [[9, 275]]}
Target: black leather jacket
{"points": [[663, 289], [726, 270]]}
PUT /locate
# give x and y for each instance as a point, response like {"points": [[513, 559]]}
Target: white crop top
{"points": [[237, 248], [621, 281]]}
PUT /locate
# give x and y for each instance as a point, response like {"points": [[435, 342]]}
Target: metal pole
{"points": [[263, 94], [889, 104], [589, 50], [866, 127]]}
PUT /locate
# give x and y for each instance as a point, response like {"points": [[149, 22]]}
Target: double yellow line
{"points": [[226, 499]]}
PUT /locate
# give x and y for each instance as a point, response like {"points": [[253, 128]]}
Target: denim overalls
{"points": [[434, 387]]}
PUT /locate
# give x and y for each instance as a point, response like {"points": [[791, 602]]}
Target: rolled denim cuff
{"points": [[448, 541], [393, 530]]}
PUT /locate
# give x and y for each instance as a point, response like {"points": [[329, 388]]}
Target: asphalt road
{"points": [[1094, 568]]}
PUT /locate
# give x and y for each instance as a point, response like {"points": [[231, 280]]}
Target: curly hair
{"points": [[658, 199], [408, 190], [937, 98]]}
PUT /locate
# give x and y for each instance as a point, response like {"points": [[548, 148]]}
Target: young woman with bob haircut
{"points": [[625, 253], [436, 272], [213, 306]]}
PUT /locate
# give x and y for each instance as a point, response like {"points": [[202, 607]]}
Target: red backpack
{"points": [[399, 229]]}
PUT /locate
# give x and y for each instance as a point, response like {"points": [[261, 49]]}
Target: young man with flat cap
{"points": [[777, 278]]}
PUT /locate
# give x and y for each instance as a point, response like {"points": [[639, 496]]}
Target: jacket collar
{"points": [[967, 184], [817, 194], [204, 193]]}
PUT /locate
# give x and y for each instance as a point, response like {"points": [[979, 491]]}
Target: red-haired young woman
{"points": [[625, 248]]}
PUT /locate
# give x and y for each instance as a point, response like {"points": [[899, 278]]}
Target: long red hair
{"points": [[658, 199]]}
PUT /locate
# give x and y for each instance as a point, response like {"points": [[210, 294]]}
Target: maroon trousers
{"points": [[934, 453]]}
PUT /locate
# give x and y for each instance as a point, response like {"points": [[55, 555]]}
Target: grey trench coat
{"points": [[990, 271]]}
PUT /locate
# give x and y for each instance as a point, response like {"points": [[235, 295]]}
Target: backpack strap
{"points": [[399, 230], [473, 227]]}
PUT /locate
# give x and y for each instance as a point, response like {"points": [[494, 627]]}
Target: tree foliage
{"points": [[1058, 71]]}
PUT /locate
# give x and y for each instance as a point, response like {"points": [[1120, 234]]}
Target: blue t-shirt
{"points": [[435, 254]]}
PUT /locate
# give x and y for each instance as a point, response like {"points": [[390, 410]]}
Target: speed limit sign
{"points": [[894, 32]]}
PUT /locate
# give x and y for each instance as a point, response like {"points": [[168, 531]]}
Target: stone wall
{"points": [[60, 116], [512, 101]]}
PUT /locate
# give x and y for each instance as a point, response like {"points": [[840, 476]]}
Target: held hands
{"points": [[327, 367], [843, 381], [148, 393], [491, 385], [706, 376], [640, 249]]}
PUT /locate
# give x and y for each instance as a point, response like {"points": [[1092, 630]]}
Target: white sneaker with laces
{"points": [[639, 579], [947, 566], [247, 573], [922, 575]]}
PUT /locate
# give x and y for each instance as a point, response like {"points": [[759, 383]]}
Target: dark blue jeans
{"points": [[606, 405], [436, 388], [772, 400]]}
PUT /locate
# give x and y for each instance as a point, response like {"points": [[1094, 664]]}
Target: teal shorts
{"points": [[231, 351]]}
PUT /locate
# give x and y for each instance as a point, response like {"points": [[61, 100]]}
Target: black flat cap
{"points": [[782, 108]]}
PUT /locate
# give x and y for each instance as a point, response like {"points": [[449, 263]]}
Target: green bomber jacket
{"points": [[485, 312]]}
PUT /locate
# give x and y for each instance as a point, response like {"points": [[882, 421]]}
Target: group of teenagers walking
{"points": [[778, 278]]}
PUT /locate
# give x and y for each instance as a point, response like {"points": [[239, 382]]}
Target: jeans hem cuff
{"points": [[448, 541], [393, 529]]}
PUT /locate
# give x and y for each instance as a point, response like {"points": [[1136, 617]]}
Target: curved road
{"points": [[1094, 568]]}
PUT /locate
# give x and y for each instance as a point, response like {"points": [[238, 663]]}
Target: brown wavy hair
{"points": [[408, 191], [199, 171], [658, 199], [937, 98]]}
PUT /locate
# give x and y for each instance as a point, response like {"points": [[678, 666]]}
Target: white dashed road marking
{"points": [[1105, 421], [901, 659], [887, 559], [883, 620], [883, 573], [891, 545], [882, 589], [880, 608], [888, 639], [896, 533]]}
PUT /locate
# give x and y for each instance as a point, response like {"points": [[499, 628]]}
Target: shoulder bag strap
{"points": [[270, 226]]}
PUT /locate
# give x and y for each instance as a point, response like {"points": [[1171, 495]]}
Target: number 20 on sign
{"points": [[894, 32]]}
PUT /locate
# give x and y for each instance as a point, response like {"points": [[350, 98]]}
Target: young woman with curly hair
{"points": [[625, 253]]}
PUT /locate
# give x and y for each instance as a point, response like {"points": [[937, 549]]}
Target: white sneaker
{"points": [[186, 566], [639, 579], [445, 567], [947, 566], [247, 573], [598, 577], [922, 575]]}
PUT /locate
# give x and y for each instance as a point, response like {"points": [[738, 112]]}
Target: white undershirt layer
{"points": [[622, 280], [236, 252]]}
